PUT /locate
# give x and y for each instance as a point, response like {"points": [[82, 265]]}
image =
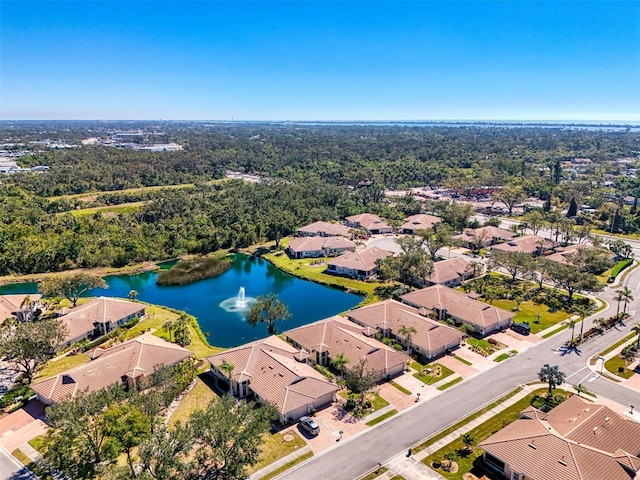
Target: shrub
{"points": [[397, 346], [325, 372]]}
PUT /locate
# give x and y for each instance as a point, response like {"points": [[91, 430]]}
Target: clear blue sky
{"points": [[320, 60]]}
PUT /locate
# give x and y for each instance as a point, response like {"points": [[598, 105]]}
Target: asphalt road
{"points": [[11, 469], [357, 455]]}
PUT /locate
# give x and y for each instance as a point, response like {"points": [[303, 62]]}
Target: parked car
{"points": [[521, 328], [309, 425]]}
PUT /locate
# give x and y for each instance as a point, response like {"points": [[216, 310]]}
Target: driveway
{"points": [[22, 425]]}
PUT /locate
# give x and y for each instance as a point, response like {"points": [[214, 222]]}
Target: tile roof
{"points": [[137, 357], [11, 303], [526, 243], [485, 234], [80, 320], [364, 260], [563, 443], [338, 335], [275, 374], [457, 304], [368, 221], [430, 334], [326, 228], [419, 222], [451, 269], [315, 244]]}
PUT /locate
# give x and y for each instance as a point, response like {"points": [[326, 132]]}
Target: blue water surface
{"points": [[307, 301]]}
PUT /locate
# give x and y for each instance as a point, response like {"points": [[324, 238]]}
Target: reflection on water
{"points": [[306, 301]]}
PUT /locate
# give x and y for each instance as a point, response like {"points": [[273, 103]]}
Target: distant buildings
{"points": [[361, 265]]}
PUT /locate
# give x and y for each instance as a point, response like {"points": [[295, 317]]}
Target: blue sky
{"points": [[320, 60]]}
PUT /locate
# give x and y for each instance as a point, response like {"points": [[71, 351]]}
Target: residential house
{"points": [[451, 272], [324, 229], [271, 370], [431, 338], [360, 265], [21, 306], [372, 224], [417, 222], [476, 238], [447, 302], [527, 243], [310, 247], [128, 362], [326, 339], [97, 317], [577, 440]]}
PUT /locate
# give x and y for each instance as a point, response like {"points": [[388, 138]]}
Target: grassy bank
{"points": [[190, 271]]}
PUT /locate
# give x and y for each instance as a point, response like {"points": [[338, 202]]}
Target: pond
{"points": [[307, 301]]}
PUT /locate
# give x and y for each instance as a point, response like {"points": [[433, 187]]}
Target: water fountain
{"points": [[240, 303]]}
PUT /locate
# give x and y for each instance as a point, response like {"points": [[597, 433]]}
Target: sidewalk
{"points": [[279, 463]]}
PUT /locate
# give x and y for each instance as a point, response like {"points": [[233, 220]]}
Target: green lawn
{"points": [[480, 433], [275, 447], [430, 378], [463, 360], [504, 356], [450, 384], [313, 269], [124, 208], [482, 344], [401, 388], [382, 417], [614, 363], [377, 402], [375, 474], [529, 313], [553, 332], [287, 466], [611, 348]]}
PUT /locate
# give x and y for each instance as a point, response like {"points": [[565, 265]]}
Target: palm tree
{"points": [[636, 329], [133, 294], [572, 323], [469, 441], [339, 362], [228, 367], [169, 326], [407, 333], [584, 311], [619, 298], [552, 375], [627, 296]]}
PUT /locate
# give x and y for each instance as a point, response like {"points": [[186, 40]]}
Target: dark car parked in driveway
{"points": [[309, 425], [521, 328]]}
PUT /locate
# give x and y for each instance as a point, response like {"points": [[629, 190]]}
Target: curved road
{"points": [[359, 454]]}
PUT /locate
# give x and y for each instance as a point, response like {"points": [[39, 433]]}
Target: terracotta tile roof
{"points": [[563, 252], [11, 303], [535, 447], [485, 234], [419, 222], [430, 334], [451, 269], [80, 320], [338, 335], [314, 244], [364, 260], [139, 356], [457, 304], [526, 243], [326, 229], [368, 221], [275, 374]]}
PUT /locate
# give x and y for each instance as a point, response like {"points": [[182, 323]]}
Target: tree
{"points": [[165, 455], [572, 323], [436, 237], [267, 309], [412, 266], [339, 362], [70, 286], [625, 295], [513, 262], [534, 220], [450, 458], [170, 327], [573, 208], [226, 438], [552, 375], [27, 346], [621, 249], [636, 329], [510, 195], [572, 279], [584, 311], [127, 427], [407, 333], [469, 441], [133, 294], [182, 330], [228, 368], [359, 380], [457, 215], [590, 259]]}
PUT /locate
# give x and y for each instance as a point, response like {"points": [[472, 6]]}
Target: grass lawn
{"points": [[60, 364], [504, 356], [480, 433], [375, 474], [275, 447], [618, 343], [450, 384], [124, 208], [305, 268], [553, 332], [482, 344], [377, 402], [382, 417], [614, 363], [463, 360], [529, 313], [37, 442], [287, 466], [401, 388], [430, 378], [34, 467], [197, 398]]}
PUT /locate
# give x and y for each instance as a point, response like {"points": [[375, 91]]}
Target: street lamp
{"points": [[418, 395]]}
